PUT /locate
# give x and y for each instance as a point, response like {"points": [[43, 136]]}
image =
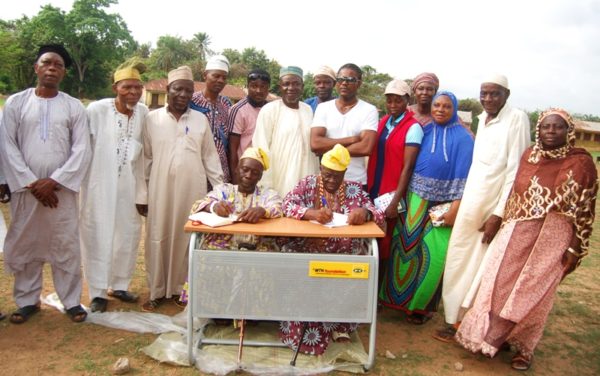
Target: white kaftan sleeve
{"points": [[15, 169], [72, 172], [210, 158], [141, 189], [263, 135], [518, 142]]}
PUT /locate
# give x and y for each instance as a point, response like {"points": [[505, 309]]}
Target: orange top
{"points": [[291, 227]]}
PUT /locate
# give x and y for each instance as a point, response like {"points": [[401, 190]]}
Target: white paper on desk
{"points": [[213, 220], [338, 220]]}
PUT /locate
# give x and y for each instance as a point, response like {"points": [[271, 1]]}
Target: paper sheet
{"points": [[338, 220]]}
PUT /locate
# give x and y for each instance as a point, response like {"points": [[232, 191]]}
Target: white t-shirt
{"points": [[362, 117]]}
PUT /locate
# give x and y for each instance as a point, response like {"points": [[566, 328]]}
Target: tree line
{"points": [[99, 41]]}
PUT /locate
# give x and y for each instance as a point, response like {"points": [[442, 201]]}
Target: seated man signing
{"points": [[246, 200], [317, 197]]}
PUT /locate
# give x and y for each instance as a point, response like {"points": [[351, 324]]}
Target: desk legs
{"points": [[190, 306]]}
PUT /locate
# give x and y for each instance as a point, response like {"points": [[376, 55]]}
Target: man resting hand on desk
{"points": [[246, 200]]}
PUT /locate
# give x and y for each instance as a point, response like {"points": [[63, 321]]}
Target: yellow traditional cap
{"points": [[337, 158], [257, 154], [132, 69]]}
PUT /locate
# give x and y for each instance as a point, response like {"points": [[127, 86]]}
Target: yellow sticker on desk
{"points": [[330, 269]]}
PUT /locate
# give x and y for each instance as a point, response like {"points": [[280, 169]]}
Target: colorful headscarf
{"points": [[336, 159], [257, 154], [425, 77], [453, 120], [440, 174], [538, 151]]}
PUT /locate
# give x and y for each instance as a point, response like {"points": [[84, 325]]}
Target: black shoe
{"points": [[98, 305], [124, 296]]}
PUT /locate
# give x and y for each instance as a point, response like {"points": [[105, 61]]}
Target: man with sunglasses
{"points": [[242, 118], [348, 121]]}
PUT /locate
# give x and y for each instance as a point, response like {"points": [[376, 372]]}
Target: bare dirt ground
{"points": [[50, 344]]}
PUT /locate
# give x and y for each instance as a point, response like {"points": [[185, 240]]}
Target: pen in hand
{"points": [[323, 201]]}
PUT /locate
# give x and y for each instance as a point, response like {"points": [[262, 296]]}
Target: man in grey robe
{"points": [[45, 154]]}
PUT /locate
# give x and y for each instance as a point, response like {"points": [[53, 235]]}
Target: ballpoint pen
{"points": [[323, 201]]}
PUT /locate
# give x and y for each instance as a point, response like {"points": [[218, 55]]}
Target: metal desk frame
{"points": [[241, 260]]}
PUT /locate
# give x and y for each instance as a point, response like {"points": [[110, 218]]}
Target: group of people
{"points": [[486, 225]]}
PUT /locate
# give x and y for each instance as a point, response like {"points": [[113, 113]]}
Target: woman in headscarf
{"points": [[393, 158], [545, 234], [424, 87], [413, 277], [317, 197]]}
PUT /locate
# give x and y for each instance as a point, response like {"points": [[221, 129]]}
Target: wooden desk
{"points": [[291, 227]]}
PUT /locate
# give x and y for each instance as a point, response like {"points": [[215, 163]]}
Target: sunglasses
{"points": [[348, 80], [259, 76]]}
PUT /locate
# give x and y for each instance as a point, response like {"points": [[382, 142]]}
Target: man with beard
{"points": [[283, 131], [181, 154], [110, 224], [242, 118]]}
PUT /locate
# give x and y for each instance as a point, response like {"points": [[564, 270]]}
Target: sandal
{"points": [[152, 304], [24, 313], [77, 313], [418, 318], [340, 337], [445, 335], [521, 362]]}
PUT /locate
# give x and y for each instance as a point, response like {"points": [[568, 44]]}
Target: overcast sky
{"points": [[548, 49]]}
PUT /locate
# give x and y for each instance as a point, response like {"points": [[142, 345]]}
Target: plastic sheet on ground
{"points": [[171, 345], [222, 359]]}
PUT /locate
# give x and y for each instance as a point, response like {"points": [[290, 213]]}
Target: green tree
{"points": [[533, 119], [46, 27], [201, 41], [9, 55], [474, 106], [98, 42], [373, 86], [250, 58]]}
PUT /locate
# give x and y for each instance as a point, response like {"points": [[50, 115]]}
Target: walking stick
{"points": [[241, 345], [293, 362]]}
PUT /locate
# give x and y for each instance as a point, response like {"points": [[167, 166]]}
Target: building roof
{"points": [[160, 86], [587, 126], [465, 116], [233, 92]]}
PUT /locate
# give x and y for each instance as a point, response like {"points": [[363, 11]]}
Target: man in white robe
{"points": [[45, 154], [110, 225], [283, 131], [179, 145], [502, 136]]}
